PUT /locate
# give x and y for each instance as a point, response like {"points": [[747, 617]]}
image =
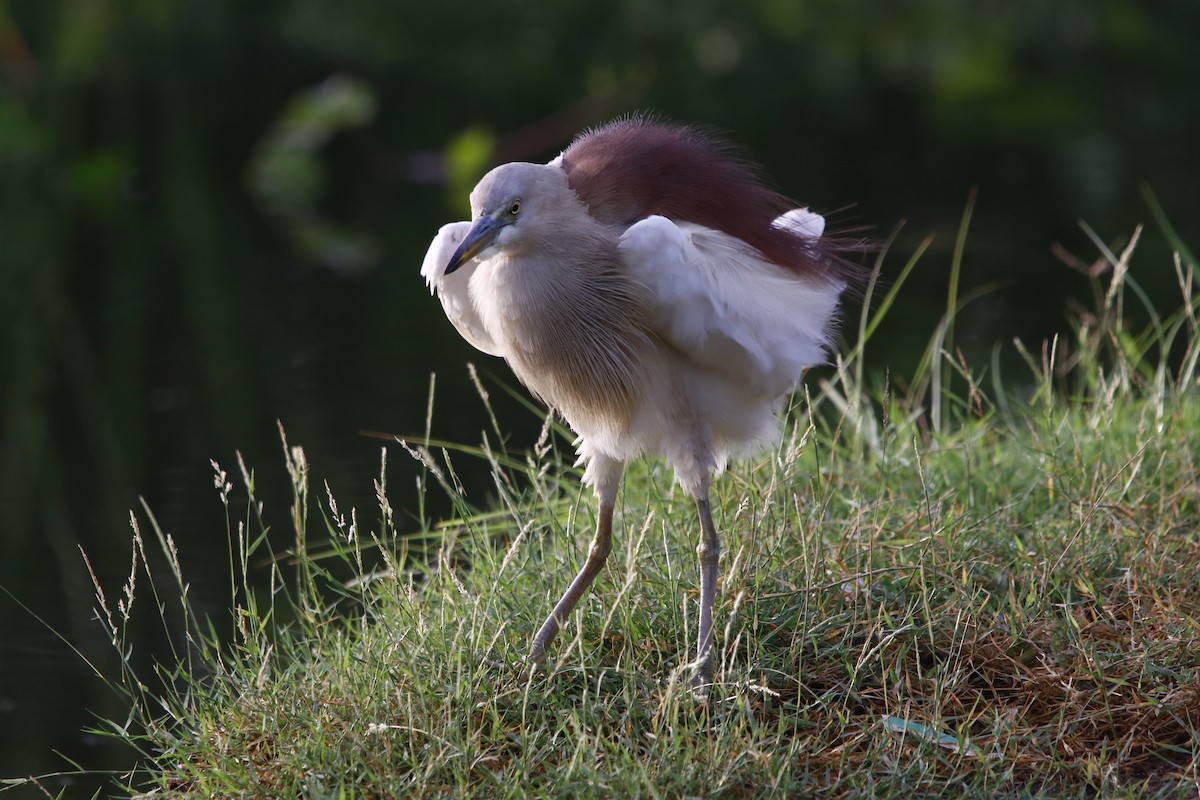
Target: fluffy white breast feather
{"points": [[455, 292]]}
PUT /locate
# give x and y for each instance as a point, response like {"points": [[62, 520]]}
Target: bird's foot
{"points": [[535, 659], [702, 677]]}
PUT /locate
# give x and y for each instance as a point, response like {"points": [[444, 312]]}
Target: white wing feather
{"points": [[802, 221], [453, 290], [725, 307]]}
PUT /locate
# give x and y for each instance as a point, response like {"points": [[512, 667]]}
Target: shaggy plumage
{"points": [[651, 290]]}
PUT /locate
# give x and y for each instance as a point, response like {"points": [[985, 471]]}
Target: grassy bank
{"points": [[983, 584]]}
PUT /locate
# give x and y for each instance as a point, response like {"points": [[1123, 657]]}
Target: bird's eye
{"points": [[514, 208]]}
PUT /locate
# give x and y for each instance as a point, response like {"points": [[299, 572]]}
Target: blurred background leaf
{"points": [[287, 175]]}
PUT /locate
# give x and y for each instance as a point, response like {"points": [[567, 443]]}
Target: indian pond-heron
{"points": [[651, 290]]}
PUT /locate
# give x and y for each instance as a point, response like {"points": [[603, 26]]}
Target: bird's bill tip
{"points": [[481, 235]]}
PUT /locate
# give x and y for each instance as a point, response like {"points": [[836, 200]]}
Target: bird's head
{"points": [[507, 207]]}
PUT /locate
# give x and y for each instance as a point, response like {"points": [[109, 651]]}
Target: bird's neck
{"points": [[550, 287], [572, 325]]}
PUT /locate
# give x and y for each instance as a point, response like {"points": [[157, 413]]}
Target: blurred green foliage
{"points": [[287, 175], [178, 176]]}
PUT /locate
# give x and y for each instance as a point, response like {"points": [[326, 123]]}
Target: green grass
{"points": [[987, 585]]}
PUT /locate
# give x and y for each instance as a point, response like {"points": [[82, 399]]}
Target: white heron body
{"points": [[719, 335], [654, 337]]}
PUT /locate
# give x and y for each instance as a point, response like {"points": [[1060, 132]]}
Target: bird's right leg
{"points": [[709, 554], [605, 474]]}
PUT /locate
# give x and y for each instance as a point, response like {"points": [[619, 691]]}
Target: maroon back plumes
{"points": [[629, 169]]}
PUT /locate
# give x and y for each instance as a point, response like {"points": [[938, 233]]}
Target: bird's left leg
{"points": [[708, 552], [605, 475]]}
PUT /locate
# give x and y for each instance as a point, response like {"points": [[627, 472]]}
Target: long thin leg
{"points": [[605, 475], [597, 553], [709, 553]]}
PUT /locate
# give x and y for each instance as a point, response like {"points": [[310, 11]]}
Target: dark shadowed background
{"points": [[212, 215]]}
